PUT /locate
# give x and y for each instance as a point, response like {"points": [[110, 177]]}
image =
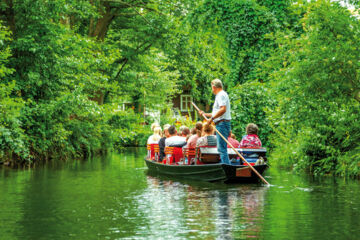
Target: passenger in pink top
{"points": [[251, 140], [232, 140], [191, 143]]}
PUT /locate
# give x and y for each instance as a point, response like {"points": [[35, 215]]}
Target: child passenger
{"points": [[251, 140]]}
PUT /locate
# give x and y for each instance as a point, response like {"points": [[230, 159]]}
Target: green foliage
{"points": [[199, 55], [329, 146], [5, 52], [84, 62], [244, 25], [128, 129], [154, 83], [249, 104], [290, 67], [316, 83], [279, 8], [13, 142], [57, 72], [70, 59], [168, 117], [69, 126], [35, 51], [143, 72]]}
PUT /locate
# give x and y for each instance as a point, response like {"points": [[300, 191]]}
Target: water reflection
{"points": [[202, 210], [114, 198]]}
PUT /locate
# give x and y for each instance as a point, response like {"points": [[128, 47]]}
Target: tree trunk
{"points": [[98, 97], [100, 29], [357, 95], [10, 16]]}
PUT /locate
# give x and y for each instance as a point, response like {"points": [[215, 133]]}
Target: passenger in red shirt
{"points": [[232, 140], [191, 143], [251, 140]]}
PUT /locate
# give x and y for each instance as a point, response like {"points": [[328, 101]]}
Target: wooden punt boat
{"points": [[204, 164]]}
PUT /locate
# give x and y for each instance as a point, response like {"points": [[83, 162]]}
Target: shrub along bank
{"points": [[314, 77]]}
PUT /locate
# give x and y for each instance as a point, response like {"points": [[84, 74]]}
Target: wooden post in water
{"points": [[251, 167]]}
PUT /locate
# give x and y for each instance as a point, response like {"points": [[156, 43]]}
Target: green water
{"points": [[114, 198]]}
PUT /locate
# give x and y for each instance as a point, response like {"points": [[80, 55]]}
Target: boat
{"points": [[203, 164]]}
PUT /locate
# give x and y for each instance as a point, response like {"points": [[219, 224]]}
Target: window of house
{"points": [[185, 103]]}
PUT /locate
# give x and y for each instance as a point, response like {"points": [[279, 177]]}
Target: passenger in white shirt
{"points": [[154, 139], [174, 140]]}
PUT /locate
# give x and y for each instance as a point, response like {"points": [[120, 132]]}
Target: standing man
{"points": [[221, 117]]}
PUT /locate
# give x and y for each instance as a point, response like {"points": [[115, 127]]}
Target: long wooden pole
{"points": [[251, 167]]}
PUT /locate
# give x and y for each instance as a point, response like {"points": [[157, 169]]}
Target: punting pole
{"points": [[252, 168]]}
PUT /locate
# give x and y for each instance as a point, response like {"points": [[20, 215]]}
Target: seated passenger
{"points": [[208, 139], [185, 132], [232, 139], [174, 140], [251, 140], [192, 132], [179, 133], [162, 142], [191, 143], [154, 125], [154, 139]]}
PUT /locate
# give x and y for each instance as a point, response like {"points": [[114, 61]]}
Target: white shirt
{"points": [[151, 139], [221, 99], [175, 140]]}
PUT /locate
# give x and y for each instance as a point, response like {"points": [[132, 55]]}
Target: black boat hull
{"points": [[208, 172]]}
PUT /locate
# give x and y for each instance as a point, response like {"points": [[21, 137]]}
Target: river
{"points": [[113, 197]]}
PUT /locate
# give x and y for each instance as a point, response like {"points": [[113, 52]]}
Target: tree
{"points": [[13, 142], [316, 88], [73, 64], [244, 26]]}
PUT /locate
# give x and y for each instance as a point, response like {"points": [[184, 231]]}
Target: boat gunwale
{"points": [[214, 165]]}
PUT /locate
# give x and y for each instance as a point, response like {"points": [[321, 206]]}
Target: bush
{"points": [[13, 141], [249, 104], [128, 129], [328, 146], [70, 126]]}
